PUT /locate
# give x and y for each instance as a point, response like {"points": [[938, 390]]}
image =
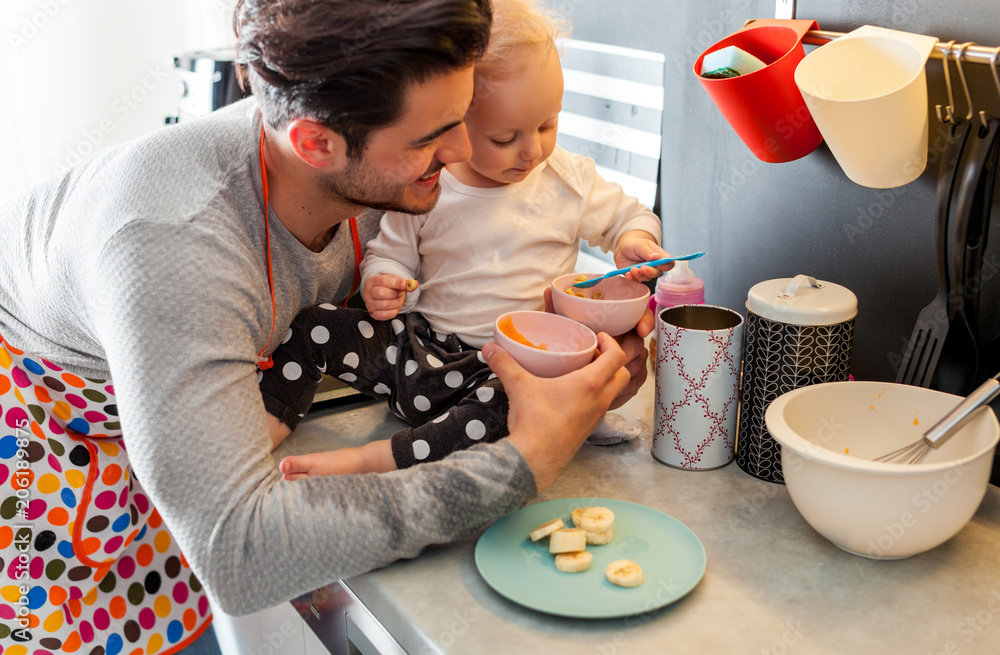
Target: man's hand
{"points": [[632, 344], [384, 295], [550, 418], [636, 355]]}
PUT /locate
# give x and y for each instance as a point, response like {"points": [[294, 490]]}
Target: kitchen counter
{"points": [[773, 584]]}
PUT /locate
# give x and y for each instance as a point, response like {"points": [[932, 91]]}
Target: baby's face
{"points": [[512, 128]]}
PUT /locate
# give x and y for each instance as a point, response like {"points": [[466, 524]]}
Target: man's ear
{"points": [[316, 144]]}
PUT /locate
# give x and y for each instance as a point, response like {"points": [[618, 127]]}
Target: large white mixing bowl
{"points": [[829, 435]]}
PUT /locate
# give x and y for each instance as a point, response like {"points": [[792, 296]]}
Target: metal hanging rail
{"points": [[976, 54]]}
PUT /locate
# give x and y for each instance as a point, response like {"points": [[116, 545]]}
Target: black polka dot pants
{"points": [[434, 382]]}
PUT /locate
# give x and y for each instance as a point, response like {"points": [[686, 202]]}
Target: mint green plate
{"points": [[671, 556]]}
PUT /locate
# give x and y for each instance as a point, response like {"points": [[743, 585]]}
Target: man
{"points": [[152, 279]]}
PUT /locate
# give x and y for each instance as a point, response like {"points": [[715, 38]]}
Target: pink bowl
{"points": [[568, 344], [623, 304]]}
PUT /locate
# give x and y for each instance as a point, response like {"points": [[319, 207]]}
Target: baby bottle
{"points": [[678, 286]]}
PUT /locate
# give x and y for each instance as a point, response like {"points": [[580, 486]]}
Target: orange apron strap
{"points": [[356, 237]]}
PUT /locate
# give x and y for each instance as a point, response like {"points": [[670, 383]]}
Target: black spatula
{"points": [[957, 367], [923, 350]]}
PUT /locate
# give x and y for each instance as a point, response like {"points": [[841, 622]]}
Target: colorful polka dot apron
{"points": [[88, 566]]}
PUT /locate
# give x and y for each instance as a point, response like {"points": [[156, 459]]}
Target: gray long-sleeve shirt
{"points": [[146, 264]]}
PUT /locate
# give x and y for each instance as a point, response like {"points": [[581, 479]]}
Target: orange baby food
{"points": [[507, 327]]}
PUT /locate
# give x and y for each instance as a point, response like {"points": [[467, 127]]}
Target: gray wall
{"points": [[760, 221]]}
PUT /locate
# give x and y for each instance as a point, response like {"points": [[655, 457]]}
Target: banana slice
{"points": [[545, 529], [568, 540], [574, 562], [600, 538], [575, 516], [624, 573], [597, 519]]}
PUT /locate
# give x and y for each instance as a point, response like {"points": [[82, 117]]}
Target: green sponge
{"points": [[721, 73], [729, 62]]}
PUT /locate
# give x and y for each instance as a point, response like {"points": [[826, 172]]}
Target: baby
{"points": [[508, 221]]}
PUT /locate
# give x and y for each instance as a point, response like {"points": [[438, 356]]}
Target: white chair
{"points": [[613, 113]]}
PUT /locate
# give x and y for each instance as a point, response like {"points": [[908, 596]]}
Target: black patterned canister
{"points": [[799, 331]]}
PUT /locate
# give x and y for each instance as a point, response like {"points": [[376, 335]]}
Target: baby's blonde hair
{"points": [[518, 27]]}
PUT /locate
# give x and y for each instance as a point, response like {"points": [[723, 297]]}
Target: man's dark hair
{"points": [[348, 63]]}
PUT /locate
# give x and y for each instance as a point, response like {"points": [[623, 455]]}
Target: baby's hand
{"points": [[384, 295], [373, 457], [632, 251]]}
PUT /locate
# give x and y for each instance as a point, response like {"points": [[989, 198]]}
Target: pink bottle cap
{"points": [[679, 286]]}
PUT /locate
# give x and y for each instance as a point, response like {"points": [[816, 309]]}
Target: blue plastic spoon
{"points": [[656, 262]]}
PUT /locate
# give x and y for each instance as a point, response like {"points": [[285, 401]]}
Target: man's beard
{"points": [[361, 185]]}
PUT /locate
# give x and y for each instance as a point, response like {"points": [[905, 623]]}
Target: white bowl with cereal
{"points": [[614, 305]]}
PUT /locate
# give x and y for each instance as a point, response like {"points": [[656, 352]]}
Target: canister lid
{"points": [[802, 300]]}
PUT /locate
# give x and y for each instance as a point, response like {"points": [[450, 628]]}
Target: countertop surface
{"points": [[772, 584]]}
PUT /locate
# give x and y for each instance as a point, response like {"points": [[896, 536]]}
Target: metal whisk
{"points": [[952, 422]]}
